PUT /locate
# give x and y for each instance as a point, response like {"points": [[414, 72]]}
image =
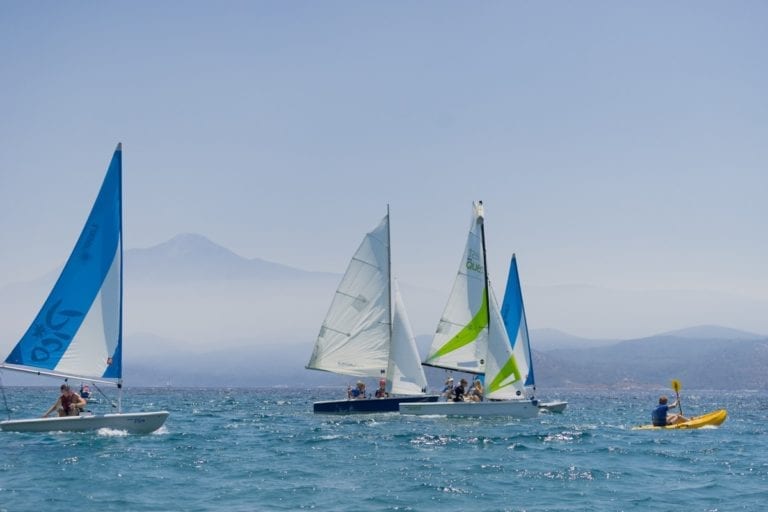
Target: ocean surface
{"points": [[264, 449]]}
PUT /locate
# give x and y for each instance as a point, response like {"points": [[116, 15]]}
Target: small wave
{"points": [[111, 432]]}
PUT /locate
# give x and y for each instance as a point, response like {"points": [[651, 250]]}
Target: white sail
{"points": [[354, 338], [506, 369], [405, 375], [462, 334]]}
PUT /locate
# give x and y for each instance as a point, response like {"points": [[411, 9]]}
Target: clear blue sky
{"points": [[615, 144]]}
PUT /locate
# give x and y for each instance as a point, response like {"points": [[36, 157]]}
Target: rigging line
{"points": [[5, 398], [104, 395]]}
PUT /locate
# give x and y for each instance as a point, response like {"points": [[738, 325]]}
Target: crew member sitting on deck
{"points": [[660, 416], [447, 392], [69, 403], [476, 392], [458, 391], [358, 392], [382, 391]]}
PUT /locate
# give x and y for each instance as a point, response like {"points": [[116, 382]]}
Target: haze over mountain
{"points": [[199, 314]]}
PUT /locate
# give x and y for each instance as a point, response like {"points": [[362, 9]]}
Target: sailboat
{"points": [[366, 332], [471, 337], [513, 313], [78, 333]]}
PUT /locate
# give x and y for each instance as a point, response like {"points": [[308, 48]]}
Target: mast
{"points": [[120, 321], [389, 272], [481, 212], [389, 297]]}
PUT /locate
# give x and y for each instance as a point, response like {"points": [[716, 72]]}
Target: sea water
{"points": [[264, 449]]}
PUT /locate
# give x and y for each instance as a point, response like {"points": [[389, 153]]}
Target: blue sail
{"points": [[513, 313], [78, 331]]}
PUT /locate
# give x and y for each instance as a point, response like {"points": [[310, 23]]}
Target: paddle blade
{"points": [[676, 385]]}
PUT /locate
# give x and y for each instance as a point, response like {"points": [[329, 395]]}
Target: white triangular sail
{"points": [[506, 369], [462, 333], [354, 338], [405, 375]]}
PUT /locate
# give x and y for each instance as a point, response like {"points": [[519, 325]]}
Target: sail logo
{"points": [[473, 261], [51, 333], [93, 230]]}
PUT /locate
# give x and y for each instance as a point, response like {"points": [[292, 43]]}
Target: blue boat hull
{"points": [[368, 405]]}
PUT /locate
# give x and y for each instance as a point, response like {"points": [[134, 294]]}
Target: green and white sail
{"points": [[471, 335], [461, 340], [506, 368], [363, 335]]}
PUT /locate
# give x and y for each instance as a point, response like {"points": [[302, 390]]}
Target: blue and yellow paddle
{"points": [[676, 387]]}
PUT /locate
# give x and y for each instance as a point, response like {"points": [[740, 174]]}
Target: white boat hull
{"points": [[133, 423], [509, 408], [555, 406]]}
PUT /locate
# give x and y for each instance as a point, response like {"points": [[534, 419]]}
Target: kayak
{"points": [[712, 419]]}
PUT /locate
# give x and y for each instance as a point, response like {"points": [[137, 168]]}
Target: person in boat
{"points": [[459, 391], [476, 393], [85, 391], [447, 392], [69, 403], [661, 417], [382, 391], [358, 392]]}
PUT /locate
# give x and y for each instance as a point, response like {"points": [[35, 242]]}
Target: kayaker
{"points": [[661, 416]]}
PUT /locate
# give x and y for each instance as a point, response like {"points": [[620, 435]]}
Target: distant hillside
{"points": [[551, 339], [191, 257], [700, 363], [195, 313], [191, 289]]}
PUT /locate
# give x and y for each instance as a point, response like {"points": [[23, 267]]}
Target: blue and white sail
{"points": [[513, 313], [78, 331]]}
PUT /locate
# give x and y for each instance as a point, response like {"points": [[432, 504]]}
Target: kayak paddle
{"points": [[676, 387]]}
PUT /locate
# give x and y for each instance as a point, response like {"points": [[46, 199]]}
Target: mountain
{"points": [[701, 362], [191, 257], [598, 312], [551, 339], [712, 332], [196, 313]]}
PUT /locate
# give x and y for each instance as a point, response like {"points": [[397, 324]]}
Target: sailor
{"points": [[69, 403]]}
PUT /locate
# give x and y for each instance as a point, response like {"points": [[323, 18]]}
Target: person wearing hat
{"points": [[447, 392], [358, 392], [68, 404]]}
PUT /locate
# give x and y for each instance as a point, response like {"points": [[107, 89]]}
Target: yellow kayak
{"points": [[713, 419]]}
